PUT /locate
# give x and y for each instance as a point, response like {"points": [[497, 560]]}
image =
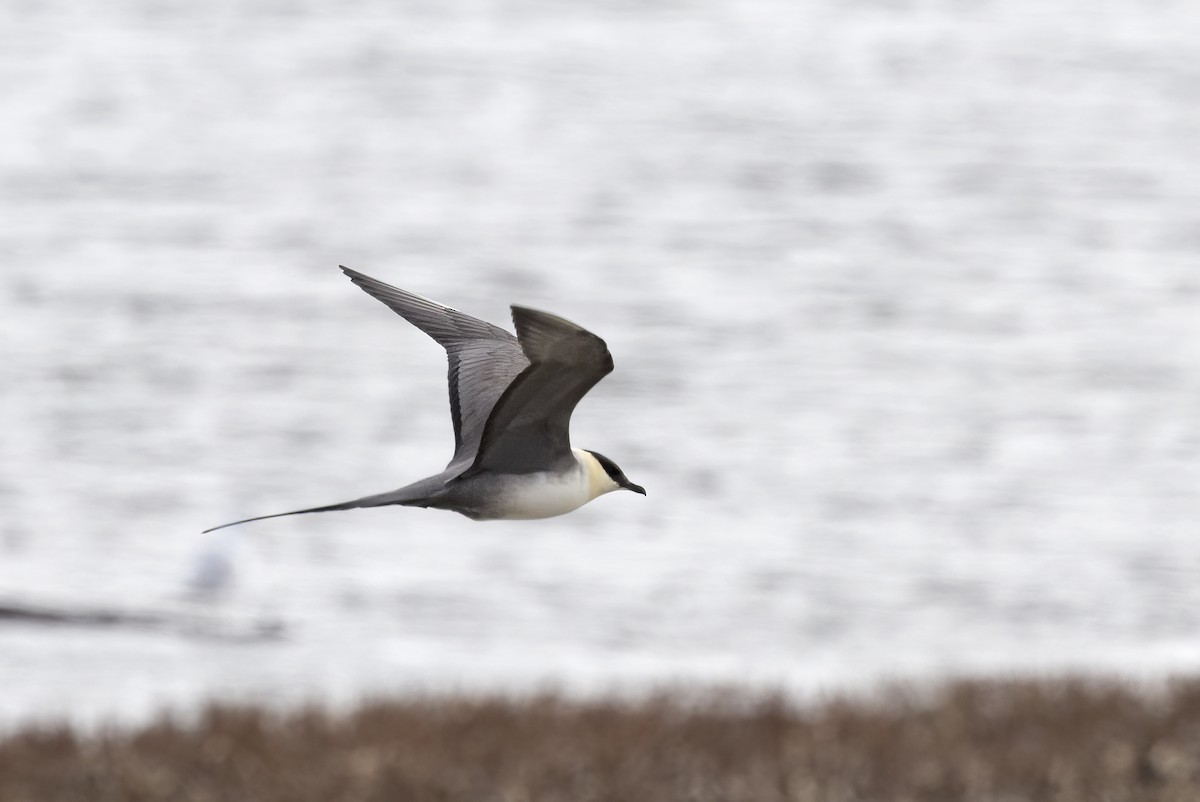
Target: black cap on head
{"points": [[616, 474]]}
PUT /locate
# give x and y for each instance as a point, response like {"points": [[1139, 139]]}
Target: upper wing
{"points": [[484, 359], [528, 429]]}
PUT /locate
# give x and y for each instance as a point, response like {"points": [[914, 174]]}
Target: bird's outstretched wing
{"points": [[483, 359], [528, 429]]}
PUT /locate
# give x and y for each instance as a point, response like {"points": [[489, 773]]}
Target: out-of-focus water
{"points": [[903, 299]]}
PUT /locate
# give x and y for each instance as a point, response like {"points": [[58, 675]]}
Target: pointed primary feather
{"points": [[529, 428], [483, 359]]}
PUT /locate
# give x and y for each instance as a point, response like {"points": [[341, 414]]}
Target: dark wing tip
{"points": [[549, 338]]}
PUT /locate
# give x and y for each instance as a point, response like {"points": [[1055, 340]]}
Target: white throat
{"points": [[598, 480]]}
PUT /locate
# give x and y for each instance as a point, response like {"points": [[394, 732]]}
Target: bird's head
{"points": [[610, 477]]}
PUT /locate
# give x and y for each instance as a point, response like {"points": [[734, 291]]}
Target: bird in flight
{"points": [[511, 400]]}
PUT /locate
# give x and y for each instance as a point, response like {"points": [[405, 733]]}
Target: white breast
{"points": [[544, 495]]}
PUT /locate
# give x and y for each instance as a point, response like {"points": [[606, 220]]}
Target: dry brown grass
{"points": [[969, 742]]}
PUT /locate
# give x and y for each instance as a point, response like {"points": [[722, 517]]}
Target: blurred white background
{"points": [[902, 296]]}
